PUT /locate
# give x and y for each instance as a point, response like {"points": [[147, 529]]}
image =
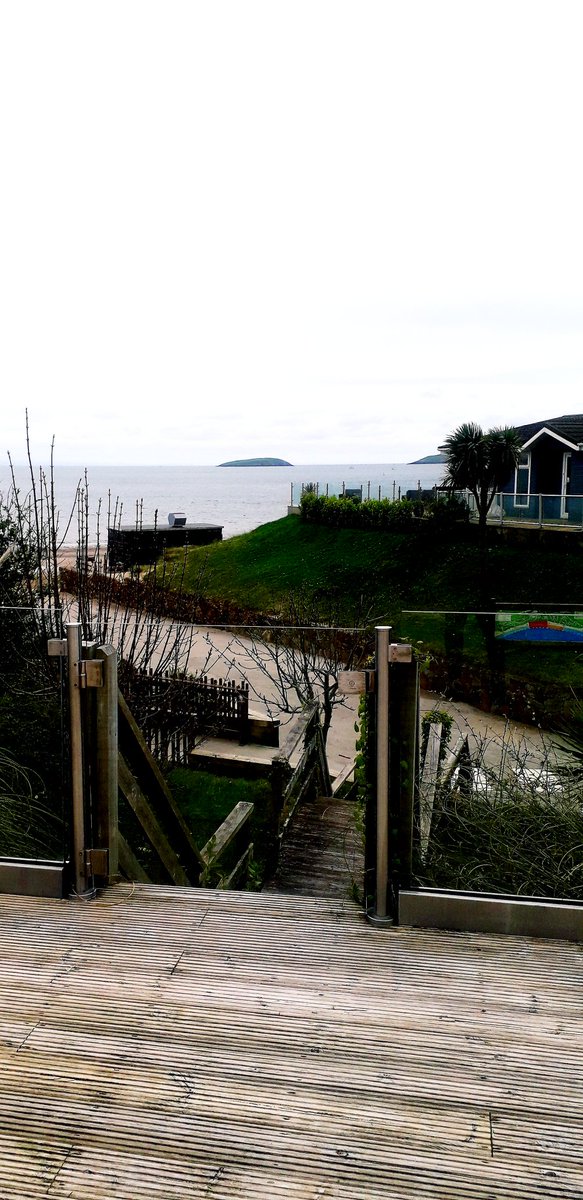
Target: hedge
{"points": [[340, 512]]}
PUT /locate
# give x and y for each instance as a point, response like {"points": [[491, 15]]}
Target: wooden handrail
{"points": [[227, 832]]}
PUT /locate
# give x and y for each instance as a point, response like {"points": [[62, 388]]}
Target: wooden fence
{"points": [[172, 711]]}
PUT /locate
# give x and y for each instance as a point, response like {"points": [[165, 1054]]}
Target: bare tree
{"points": [[297, 659], [126, 610]]}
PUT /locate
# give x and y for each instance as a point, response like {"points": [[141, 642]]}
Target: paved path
{"points": [[498, 743], [220, 652]]}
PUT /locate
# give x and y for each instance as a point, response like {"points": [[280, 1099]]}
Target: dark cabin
{"points": [[129, 545]]}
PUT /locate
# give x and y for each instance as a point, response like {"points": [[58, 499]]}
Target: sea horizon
{"points": [[236, 498]]}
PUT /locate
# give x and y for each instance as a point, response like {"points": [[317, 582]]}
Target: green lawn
{"points": [[206, 799], [258, 570], [393, 571]]}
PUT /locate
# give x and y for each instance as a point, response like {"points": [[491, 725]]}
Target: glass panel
{"points": [[500, 798], [34, 756], [412, 481], [34, 776]]}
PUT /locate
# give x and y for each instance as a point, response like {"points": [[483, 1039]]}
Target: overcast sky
{"points": [[320, 229]]}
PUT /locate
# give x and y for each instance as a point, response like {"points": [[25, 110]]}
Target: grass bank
{"points": [[206, 800], [393, 571], [258, 570]]}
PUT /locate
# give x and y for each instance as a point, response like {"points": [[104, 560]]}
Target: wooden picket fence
{"points": [[172, 710]]}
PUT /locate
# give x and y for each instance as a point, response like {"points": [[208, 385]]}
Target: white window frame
{"points": [[565, 478], [522, 503]]}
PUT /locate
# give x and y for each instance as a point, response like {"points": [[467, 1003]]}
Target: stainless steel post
{"points": [[105, 817], [81, 885], [382, 641]]}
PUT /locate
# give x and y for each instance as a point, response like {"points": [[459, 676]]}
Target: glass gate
{"points": [[34, 759], [485, 759], [499, 807]]}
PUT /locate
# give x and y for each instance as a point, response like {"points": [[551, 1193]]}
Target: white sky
{"points": [[329, 230]]}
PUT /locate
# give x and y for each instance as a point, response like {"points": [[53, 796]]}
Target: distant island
{"points": [[257, 462], [429, 460]]}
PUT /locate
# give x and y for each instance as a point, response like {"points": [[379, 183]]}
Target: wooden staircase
{"points": [[322, 852]]}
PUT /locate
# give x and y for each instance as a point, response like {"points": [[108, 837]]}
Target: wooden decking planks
{"points": [[322, 853], [169, 1043]]}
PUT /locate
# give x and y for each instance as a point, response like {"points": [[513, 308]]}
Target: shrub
{"points": [[446, 511], [340, 512]]}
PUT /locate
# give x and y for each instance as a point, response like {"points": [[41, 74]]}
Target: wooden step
{"points": [[322, 852]]}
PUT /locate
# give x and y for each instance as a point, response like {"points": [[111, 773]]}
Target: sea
{"points": [[237, 498]]}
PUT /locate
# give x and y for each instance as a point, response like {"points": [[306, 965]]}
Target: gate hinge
{"points": [[57, 647], [97, 862], [357, 683], [400, 652], [90, 672]]}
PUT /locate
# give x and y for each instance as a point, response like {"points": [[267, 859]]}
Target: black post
{"points": [[404, 757]]}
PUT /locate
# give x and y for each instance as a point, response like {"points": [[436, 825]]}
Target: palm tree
{"points": [[480, 462]]}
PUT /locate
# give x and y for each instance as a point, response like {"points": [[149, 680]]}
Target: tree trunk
{"points": [[329, 691]]}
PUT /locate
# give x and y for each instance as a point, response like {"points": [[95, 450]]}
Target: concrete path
{"points": [[224, 653], [500, 744]]}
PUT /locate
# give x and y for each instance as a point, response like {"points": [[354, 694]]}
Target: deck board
{"points": [[173, 1043]]}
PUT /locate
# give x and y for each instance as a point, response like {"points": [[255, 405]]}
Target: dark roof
{"points": [[569, 427]]}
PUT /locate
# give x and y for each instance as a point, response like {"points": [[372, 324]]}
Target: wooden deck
{"points": [[177, 1044], [322, 852]]}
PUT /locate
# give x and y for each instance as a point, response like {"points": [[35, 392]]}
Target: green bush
{"points": [[342, 513], [523, 844], [446, 511], [29, 826]]}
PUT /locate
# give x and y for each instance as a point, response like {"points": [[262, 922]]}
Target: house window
{"points": [[522, 481]]}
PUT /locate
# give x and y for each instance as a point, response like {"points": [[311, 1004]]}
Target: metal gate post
{"points": [[82, 881], [388, 848], [382, 641], [105, 825]]}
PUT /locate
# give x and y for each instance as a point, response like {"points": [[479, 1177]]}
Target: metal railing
{"points": [[357, 490], [533, 508]]}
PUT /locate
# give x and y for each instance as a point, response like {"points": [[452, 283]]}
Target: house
{"points": [[547, 484]]}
